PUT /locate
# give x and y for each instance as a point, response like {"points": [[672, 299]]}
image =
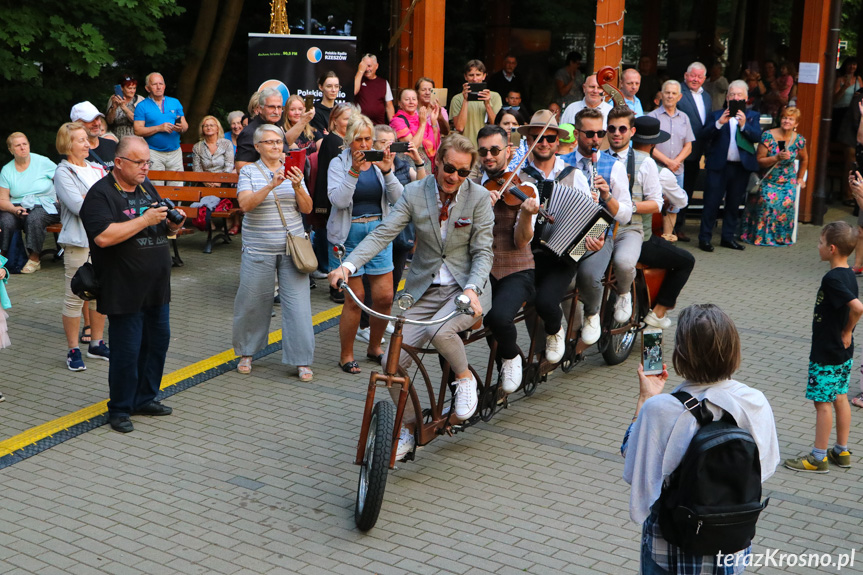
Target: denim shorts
{"points": [[828, 381], [381, 264]]}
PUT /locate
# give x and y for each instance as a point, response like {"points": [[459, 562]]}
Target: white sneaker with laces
{"points": [[406, 444], [555, 345], [623, 308], [591, 330], [363, 334], [465, 397], [391, 327], [653, 320], [511, 369]]}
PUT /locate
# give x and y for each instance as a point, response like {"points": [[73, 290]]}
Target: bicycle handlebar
{"points": [[462, 304]]}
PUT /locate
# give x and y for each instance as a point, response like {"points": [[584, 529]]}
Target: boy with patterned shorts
{"points": [[837, 310]]}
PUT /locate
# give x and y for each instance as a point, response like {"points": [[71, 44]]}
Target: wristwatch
{"points": [[634, 208], [475, 289]]}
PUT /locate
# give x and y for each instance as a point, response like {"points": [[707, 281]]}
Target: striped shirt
{"points": [[263, 232]]}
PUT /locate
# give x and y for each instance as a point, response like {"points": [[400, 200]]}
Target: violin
{"points": [[515, 192]]}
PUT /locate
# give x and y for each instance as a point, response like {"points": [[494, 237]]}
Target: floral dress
{"points": [[769, 219]]}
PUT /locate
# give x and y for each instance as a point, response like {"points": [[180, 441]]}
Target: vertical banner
{"points": [[292, 63]]}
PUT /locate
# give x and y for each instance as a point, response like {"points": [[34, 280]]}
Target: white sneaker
{"points": [[363, 334], [555, 345], [511, 369], [319, 275], [406, 444], [391, 327], [591, 330], [623, 308], [465, 397], [653, 320]]}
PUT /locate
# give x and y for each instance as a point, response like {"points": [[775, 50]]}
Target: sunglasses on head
{"points": [[494, 151], [450, 169], [550, 138], [619, 129], [594, 133]]}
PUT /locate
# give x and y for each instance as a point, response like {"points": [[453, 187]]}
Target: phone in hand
{"points": [[309, 101], [295, 159], [475, 89], [373, 155], [651, 351], [399, 147], [735, 106], [118, 90], [781, 145]]}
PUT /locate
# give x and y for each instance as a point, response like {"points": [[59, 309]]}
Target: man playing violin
{"points": [[512, 273]]}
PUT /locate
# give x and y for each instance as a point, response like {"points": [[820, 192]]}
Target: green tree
{"points": [[55, 53]]}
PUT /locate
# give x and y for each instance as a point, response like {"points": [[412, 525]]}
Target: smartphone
{"points": [[475, 89], [651, 351], [118, 90], [310, 102], [781, 145], [373, 155], [399, 147], [735, 106], [295, 159]]}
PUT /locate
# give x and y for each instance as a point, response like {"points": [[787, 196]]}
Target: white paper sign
{"points": [[809, 72]]}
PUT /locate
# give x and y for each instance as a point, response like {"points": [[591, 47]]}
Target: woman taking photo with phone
{"points": [[121, 108], [361, 190], [272, 201], [417, 125], [769, 218]]}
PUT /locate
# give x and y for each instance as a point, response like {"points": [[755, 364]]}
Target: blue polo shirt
{"points": [[152, 115]]}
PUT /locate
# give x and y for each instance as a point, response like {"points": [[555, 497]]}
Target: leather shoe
{"points": [[682, 237], [121, 423], [153, 408], [703, 246], [731, 244]]}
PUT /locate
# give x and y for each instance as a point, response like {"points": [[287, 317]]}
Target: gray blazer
{"points": [[467, 249]]}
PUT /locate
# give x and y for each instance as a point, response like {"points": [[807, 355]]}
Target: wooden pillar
{"points": [[813, 48], [421, 43], [609, 34]]}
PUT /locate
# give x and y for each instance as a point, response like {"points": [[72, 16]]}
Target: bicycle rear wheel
{"points": [[375, 466], [619, 345]]}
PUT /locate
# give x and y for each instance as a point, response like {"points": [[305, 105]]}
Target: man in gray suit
{"points": [[453, 219], [696, 103]]}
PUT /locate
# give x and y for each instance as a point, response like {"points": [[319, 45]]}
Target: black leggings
{"points": [[508, 295], [659, 253], [553, 276]]}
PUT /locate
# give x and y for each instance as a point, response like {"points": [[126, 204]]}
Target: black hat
{"points": [[647, 131]]}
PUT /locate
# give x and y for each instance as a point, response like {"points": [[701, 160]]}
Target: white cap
{"points": [[84, 111]]}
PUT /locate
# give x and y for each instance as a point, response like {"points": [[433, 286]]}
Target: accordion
{"points": [[576, 217]]}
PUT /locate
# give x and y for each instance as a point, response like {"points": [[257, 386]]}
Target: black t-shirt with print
{"points": [[838, 288], [135, 273]]}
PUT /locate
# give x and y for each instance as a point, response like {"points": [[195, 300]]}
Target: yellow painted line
{"points": [[40, 432]]}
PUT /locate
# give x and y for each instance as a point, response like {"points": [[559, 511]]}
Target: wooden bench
{"points": [[192, 192]]}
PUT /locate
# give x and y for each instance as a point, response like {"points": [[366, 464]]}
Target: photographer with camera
{"points": [[127, 225]]}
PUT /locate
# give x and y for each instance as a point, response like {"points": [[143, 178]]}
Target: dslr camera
{"points": [[174, 215]]}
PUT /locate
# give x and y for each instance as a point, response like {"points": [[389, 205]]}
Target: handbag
{"points": [[84, 283], [298, 247]]}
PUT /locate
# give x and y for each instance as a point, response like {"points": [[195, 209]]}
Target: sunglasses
{"points": [[617, 129], [550, 138], [450, 169], [494, 151], [593, 133]]}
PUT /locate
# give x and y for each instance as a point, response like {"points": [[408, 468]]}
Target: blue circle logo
{"points": [[314, 55]]}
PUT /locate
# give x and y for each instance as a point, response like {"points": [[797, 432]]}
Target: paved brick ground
{"points": [[254, 474]]}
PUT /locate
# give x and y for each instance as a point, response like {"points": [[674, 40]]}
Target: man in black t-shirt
{"points": [[129, 246], [102, 150], [270, 107]]}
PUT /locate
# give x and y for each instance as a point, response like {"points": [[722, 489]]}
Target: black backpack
{"points": [[711, 502]]}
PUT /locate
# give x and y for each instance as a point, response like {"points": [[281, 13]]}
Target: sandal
{"points": [[378, 359], [351, 367], [304, 373], [85, 335], [245, 365], [234, 230], [857, 400]]}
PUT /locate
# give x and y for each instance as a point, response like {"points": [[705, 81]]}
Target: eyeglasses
{"points": [[550, 138], [494, 151], [271, 142], [616, 129], [146, 163], [593, 133], [267, 106], [450, 169]]}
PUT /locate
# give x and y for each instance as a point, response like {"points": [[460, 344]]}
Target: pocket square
{"points": [[462, 222]]}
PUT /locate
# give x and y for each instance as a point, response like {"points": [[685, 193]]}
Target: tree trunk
{"points": [[197, 50], [217, 53]]}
